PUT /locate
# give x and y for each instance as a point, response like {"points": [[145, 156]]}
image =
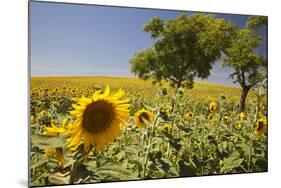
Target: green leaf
{"points": [[167, 166], [157, 140], [103, 160], [174, 142], [44, 142], [185, 169], [41, 161], [148, 107], [68, 161], [133, 149], [90, 165], [233, 161], [120, 155], [59, 178], [114, 172], [136, 161], [245, 149], [186, 129], [147, 123], [222, 146]]}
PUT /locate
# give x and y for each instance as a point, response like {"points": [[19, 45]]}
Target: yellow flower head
{"points": [[49, 152], [43, 113], [143, 114], [55, 152], [237, 126], [98, 119], [213, 107], [188, 116], [60, 157], [32, 120], [242, 116], [167, 128], [54, 130], [261, 127], [212, 118]]}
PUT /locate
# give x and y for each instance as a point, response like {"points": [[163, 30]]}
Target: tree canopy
{"points": [[184, 48], [249, 66]]}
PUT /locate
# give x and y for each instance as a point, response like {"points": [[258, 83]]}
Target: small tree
{"points": [[184, 48], [249, 66]]}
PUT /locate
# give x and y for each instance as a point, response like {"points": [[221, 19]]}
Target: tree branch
{"points": [[243, 78], [173, 80], [253, 84]]}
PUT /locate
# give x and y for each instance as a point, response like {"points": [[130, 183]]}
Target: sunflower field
{"points": [[100, 129]]}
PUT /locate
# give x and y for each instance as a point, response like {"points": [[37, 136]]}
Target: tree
{"points": [[248, 64], [184, 48]]}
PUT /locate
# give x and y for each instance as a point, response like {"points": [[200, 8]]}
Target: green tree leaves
{"points": [[242, 55], [255, 22], [184, 48]]}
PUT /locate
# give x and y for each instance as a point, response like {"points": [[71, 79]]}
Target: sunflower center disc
{"points": [[98, 116], [260, 125], [144, 116]]}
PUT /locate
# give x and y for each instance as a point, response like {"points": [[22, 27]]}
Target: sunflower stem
{"points": [[73, 172], [168, 150], [201, 148], [149, 137], [79, 160], [125, 139], [250, 152]]}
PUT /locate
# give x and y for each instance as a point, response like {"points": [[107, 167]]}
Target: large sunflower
{"points": [[261, 127], [143, 114], [98, 119]]}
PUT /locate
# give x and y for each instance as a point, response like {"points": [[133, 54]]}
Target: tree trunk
{"points": [[178, 84], [245, 91]]}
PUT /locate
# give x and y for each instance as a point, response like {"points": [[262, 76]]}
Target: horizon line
{"points": [[132, 77]]}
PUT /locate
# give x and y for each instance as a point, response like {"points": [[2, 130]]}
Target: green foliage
{"points": [[184, 48], [114, 173], [58, 178], [255, 22], [231, 162], [192, 147], [155, 27], [45, 142], [242, 55]]}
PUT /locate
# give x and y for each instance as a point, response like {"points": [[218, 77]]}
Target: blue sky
{"points": [[80, 40]]}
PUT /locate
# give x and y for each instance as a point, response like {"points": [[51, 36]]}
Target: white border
{"points": [[13, 91]]}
